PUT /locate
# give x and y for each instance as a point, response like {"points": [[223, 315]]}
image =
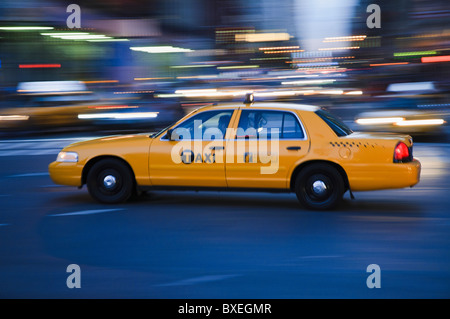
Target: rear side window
{"points": [[334, 123], [260, 124], [291, 127]]}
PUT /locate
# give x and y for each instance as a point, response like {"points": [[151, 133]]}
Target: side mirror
{"points": [[169, 134]]}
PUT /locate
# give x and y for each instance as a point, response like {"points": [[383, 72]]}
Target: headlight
{"points": [[67, 157]]}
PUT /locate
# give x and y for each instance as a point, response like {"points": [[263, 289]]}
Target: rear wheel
{"points": [[319, 186], [110, 181]]}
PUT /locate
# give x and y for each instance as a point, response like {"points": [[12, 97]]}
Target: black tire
{"points": [[110, 181], [319, 186]]}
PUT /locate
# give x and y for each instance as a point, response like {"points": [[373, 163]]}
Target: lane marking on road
{"points": [[318, 257], [54, 185], [30, 152], [30, 174], [43, 150], [198, 280], [32, 147], [88, 212], [421, 144]]}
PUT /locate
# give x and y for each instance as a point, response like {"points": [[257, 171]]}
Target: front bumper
{"points": [[68, 174]]}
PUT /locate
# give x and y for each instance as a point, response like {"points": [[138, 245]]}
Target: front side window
{"points": [[208, 125], [268, 124]]}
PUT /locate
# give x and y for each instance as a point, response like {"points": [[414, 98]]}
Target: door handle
{"points": [[293, 148], [216, 148]]}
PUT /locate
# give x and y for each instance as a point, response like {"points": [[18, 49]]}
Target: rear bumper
{"points": [[383, 176], [65, 173]]}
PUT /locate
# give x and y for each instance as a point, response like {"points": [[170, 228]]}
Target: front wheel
{"points": [[110, 181], [319, 187]]}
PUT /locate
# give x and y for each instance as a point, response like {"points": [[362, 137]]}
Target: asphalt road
{"points": [[219, 244]]}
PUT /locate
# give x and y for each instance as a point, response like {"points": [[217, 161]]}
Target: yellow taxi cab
{"points": [[41, 105], [69, 105], [282, 147]]}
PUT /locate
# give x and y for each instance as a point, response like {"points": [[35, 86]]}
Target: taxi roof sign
{"points": [[249, 98]]}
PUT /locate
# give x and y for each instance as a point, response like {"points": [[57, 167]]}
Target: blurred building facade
{"points": [[194, 24]]}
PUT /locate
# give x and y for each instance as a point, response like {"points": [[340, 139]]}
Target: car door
{"points": [[194, 155], [267, 144]]}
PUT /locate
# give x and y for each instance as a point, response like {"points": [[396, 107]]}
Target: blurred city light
{"points": [[262, 37], [26, 28], [119, 116], [14, 117], [381, 120], [420, 122], [160, 49], [442, 58]]}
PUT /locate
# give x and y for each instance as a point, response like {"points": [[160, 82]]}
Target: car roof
{"points": [[266, 105]]}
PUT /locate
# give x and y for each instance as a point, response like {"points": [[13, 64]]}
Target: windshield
{"points": [[156, 134], [334, 123]]}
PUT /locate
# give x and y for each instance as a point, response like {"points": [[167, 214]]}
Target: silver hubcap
{"points": [[109, 181], [319, 187]]}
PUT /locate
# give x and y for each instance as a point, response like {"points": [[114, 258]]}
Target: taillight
{"points": [[402, 153]]}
